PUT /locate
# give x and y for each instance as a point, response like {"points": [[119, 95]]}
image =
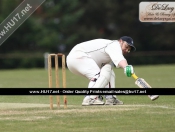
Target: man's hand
{"points": [[129, 70]]}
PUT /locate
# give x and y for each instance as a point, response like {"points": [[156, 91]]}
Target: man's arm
{"points": [[128, 69], [123, 64]]}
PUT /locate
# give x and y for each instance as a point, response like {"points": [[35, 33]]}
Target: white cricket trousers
{"points": [[80, 63]]}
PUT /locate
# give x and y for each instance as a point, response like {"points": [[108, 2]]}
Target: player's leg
{"points": [[106, 77], [86, 67], [82, 65], [112, 99], [100, 80]]}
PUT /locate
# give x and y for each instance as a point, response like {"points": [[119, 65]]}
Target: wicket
{"points": [[57, 77]]}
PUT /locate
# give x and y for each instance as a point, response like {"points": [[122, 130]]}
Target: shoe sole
{"points": [[91, 104], [114, 104], [156, 97]]}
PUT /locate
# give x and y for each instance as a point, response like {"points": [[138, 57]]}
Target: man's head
{"points": [[127, 44]]}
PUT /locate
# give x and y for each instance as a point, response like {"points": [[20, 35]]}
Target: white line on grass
{"points": [[32, 105]]}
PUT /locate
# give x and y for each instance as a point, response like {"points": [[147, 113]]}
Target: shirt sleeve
{"points": [[115, 52]]}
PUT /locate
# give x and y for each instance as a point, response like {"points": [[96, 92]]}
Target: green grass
{"points": [[138, 114]]}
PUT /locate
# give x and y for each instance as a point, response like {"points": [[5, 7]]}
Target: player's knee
{"points": [[107, 66], [106, 69], [102, 79]]}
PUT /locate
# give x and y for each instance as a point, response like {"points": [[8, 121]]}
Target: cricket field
{"points": [[138, 114]]}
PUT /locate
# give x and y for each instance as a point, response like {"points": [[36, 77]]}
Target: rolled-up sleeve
{"points": [[115, 52]]}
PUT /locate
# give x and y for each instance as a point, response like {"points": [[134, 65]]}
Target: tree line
{"points": [[58, 25]]}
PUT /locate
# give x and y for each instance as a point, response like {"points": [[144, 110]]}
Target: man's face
{"points": [[125, 47]]}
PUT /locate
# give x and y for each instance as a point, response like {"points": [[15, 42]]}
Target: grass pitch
{"points": [[138, 114]]}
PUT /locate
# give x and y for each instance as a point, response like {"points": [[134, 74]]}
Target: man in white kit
{"points": [[94, 60]]}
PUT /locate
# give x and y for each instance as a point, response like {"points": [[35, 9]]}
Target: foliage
{"points": [[57, 25], [69, 22]]}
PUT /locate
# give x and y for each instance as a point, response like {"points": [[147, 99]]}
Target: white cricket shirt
{"points": [[102, 51]]}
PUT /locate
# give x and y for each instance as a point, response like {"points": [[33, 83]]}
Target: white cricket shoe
{"points": [[154, 97], [92, 100], [113, 101]]}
